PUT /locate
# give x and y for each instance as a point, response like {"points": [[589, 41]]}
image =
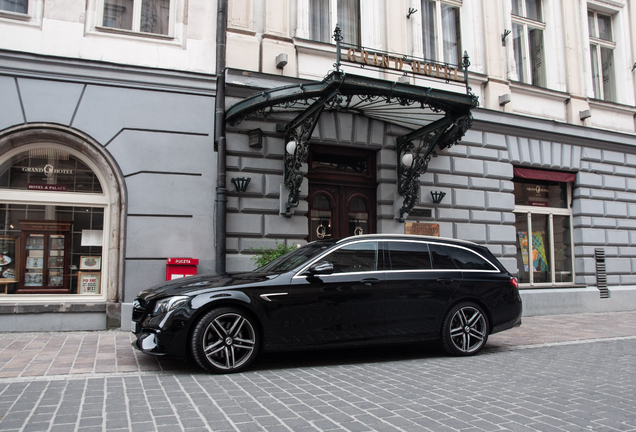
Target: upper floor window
{"points": [[527, 32], [322, 20], [441, 31], [18, 6], [144, 16], [602, 55]]}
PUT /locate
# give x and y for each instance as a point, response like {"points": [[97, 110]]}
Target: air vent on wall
{"points": [[601, 275]]}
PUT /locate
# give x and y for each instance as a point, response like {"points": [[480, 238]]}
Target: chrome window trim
{"points": [[338, 246], [496, 270]]}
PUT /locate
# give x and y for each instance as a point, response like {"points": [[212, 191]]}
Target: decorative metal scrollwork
{"points": [[443, 134], [294, 160]]}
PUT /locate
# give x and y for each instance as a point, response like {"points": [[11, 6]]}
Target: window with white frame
{"points": [[544, 231], [17, 6], [527, 31], [441, 31], [602, 55], [322, 20], [142, 16]]}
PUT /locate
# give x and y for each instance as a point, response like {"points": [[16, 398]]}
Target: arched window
{"points": [[56, 221]]}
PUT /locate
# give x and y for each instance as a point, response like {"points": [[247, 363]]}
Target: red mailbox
{"points": [[181, 267]]}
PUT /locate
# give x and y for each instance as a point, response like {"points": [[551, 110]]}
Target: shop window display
{"points": [[45, 247], [544, 232]]}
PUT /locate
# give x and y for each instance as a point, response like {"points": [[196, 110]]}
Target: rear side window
{"points": [[409, 256], [441, 259], [468, 260], [354, 258]]}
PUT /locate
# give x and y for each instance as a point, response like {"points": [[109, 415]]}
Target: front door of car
{"points": [[343, 304], [420, 281]]}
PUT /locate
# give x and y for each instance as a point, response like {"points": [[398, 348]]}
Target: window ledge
{"points": [[15, 15], [34, 308], [530, 89], [135, 34], [309, 46], [615, 106], [548, 286]]}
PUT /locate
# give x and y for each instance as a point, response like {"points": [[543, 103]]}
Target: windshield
{"points": [[296, 258]]}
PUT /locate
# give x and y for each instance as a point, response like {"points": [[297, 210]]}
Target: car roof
{"points": [[405, 237]]}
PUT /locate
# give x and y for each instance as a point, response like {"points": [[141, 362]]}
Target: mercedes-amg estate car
{"points": [[360, 290]]}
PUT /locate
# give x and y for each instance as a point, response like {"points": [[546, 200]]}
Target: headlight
{"points": [[169, 303]]}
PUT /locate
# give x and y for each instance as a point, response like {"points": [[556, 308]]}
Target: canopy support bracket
{"points": [[299, 130], [442, 133]]}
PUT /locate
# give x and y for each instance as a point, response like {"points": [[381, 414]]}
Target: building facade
{"points": [[106, 148], [109, 168], [545, 176]]}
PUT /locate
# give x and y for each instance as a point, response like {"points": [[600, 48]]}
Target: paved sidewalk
{"points": [[25, 355]]}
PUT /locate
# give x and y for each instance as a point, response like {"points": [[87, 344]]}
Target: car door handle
{"points": [[370, 281], [445, 281]]}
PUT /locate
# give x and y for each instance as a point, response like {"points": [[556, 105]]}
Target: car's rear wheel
{"points": [[465, 330], [225, 340]]}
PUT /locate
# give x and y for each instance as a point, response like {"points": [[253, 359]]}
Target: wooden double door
{"points": [[342, 191]]}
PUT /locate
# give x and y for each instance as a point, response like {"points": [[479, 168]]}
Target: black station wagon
{"points": [[360, 290]]}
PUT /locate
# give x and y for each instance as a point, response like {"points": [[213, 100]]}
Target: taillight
{"points": [[514, 283]]}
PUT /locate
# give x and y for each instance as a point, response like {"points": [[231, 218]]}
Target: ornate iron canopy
{"points": [[437, 118]]}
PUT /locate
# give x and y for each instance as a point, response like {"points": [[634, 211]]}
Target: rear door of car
{"points": [[420, 280], [344, 306]]}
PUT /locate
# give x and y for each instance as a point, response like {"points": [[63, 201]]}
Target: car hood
{"points": [[194, 285]]}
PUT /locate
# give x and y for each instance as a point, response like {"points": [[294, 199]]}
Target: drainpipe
{"points": [[219, 136]]}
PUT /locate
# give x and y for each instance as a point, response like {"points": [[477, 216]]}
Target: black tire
{"points": [[225, 340], [465, 330]]}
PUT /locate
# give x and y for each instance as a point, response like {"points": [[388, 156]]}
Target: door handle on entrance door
{"points": [[370, 281], [445, 281]]}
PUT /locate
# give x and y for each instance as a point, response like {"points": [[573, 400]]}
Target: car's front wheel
{"points": [[465, 330], [225, 340]]}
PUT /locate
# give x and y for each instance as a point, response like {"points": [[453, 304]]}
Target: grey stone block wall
{"points": [[602, 206], [476, 175]]}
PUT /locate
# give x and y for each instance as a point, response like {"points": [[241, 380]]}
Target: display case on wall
{"points": [[9, 261], [45, 257]]}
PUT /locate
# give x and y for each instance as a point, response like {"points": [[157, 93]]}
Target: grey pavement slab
{"points": [[558, 373]]}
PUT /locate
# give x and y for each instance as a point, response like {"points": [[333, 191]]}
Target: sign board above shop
{"points": [[401, 64]]}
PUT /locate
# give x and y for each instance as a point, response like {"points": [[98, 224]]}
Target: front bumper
{"points": [[148, 343]]}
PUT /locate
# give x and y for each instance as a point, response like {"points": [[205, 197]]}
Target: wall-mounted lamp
{"points": [[504, 99], [411, 12], [438, 196], [504, 36], [407, 159], [404, 79], [291, 147], [281, 60], [241, 183], [585, 114]]}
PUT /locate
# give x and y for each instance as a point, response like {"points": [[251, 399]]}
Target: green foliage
{"points": [[264, 255]]}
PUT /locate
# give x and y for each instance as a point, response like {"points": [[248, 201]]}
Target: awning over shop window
{"points": [[535, 174]]}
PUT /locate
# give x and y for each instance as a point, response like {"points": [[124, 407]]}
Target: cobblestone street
{"points": [[558, 373]]}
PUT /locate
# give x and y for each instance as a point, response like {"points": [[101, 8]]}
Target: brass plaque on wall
{"points": [[427, 229]]}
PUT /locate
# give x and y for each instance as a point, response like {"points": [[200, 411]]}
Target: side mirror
{"points": [[321, 267]]}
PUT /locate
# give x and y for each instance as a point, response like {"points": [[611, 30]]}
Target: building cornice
{"points": [[26, 65]]}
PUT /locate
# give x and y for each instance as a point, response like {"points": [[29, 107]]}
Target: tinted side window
{"points": [[467, 260], [409, 256], [441, 259], [358, 257]]}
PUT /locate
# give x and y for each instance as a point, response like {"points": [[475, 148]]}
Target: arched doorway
{"points": [[342, 191], [61, 209]]}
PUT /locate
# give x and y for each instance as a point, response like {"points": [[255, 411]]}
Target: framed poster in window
{"points": [[88, 282], [9, 261], [90, 263]]}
